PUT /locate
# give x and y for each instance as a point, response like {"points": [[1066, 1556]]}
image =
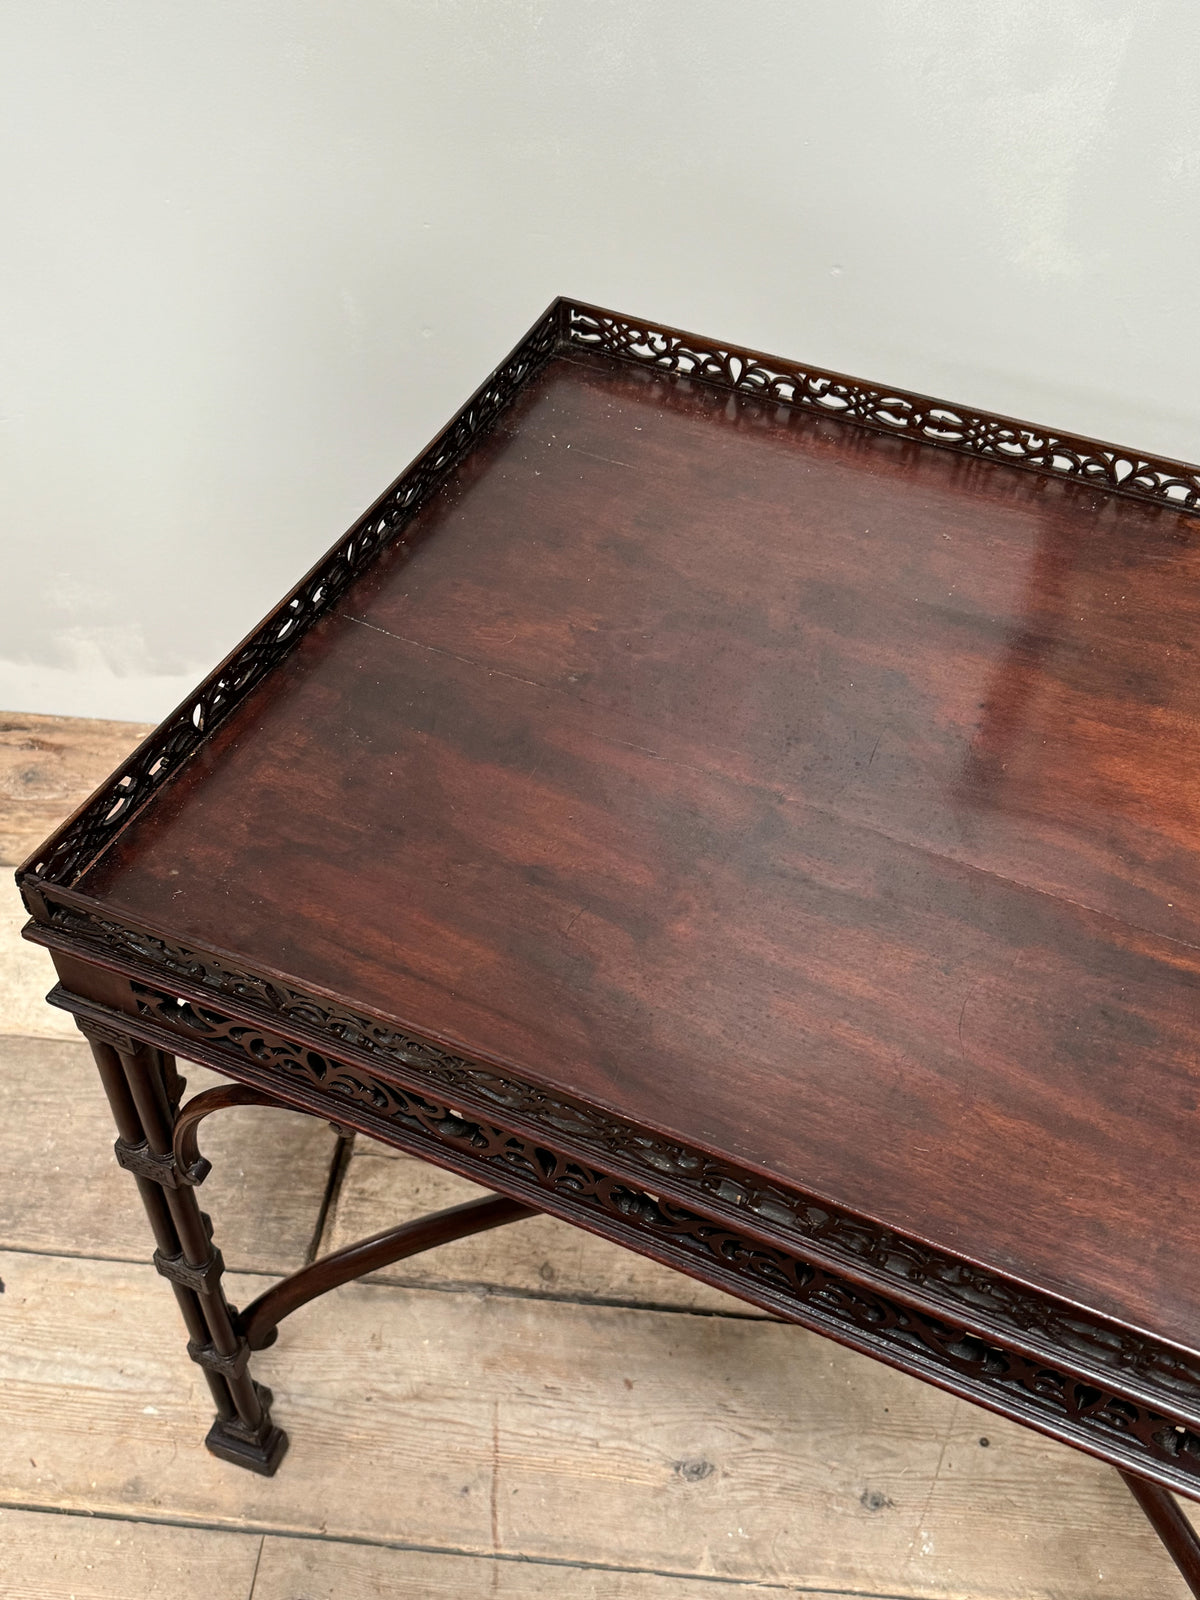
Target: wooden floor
{"points": [[531, 1412]]}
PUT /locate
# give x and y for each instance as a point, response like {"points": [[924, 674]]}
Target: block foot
{"points": [[258, 1450]]}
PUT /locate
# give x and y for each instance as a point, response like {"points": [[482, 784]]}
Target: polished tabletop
{"points": [[822, 798]]}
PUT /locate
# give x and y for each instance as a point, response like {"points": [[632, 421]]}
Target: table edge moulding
{"points": [[141, 996]]}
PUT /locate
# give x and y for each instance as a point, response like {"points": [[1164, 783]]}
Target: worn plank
{"points": [[541, 1256], [26, 976], [704, 1446], [47, 1557], [303, 1569], [47, 766], [62, 1191]]}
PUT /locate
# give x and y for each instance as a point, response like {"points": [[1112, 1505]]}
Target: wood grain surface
{"points": [[57, 1557], [48, 766], [812, 796]]}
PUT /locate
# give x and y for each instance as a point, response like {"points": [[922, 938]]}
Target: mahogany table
{"points": [[741, 810]]}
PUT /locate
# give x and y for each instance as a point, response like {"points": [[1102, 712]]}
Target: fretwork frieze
{"points": [[949, 1286], [781, 1280]]}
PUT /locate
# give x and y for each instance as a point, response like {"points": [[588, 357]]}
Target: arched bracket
{"points": [[258, 1323], [190, 1165]]}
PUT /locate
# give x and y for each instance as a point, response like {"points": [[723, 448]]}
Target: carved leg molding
{"points": [[144, 1090], [158, 1143]]}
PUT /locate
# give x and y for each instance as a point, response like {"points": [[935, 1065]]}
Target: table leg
{"points": [[1171, 1526], [144, 1090]]}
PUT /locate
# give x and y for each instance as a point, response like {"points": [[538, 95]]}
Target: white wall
{"points": [[254, 254]]}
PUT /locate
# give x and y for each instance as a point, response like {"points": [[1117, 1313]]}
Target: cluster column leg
{"points": [[144, 1090]]}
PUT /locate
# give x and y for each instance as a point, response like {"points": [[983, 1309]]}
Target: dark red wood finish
{"points": [[818, 797], [726, 805]]}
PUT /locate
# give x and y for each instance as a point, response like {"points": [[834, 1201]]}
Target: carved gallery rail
{"points": [[617, 815]]}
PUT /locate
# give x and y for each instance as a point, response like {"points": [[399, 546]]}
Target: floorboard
{"points": [[300, 1569], [49, 1557], [26, 977], [48, 765], [665, 1442]]}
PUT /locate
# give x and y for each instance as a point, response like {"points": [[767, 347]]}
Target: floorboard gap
{"points": [[339, 1165], [484, 1290], [364, 1542], [257, 1563]]}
